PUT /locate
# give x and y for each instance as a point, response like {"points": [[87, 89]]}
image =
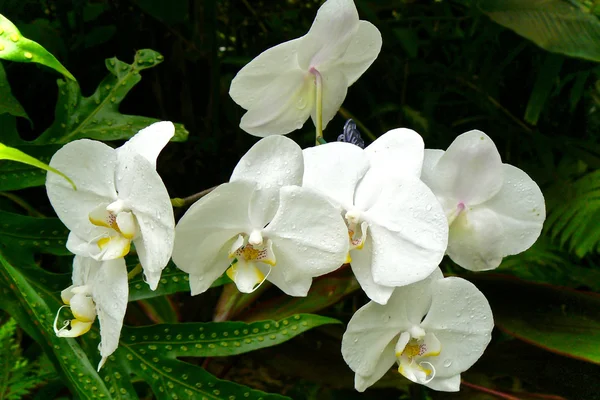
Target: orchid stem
{"points": [[26, 206], [319, 81], [188, 201], [492, 392], [136, 270]]}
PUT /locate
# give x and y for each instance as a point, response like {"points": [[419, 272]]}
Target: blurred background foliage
{"points": [[524, 72]]}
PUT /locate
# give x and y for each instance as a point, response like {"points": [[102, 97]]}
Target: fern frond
{"points": [[573, 209]]}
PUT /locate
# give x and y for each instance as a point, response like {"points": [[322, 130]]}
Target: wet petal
{"points": [[249, 86], [399, 151], [450, 384], [150, 141], [362, 51], [110, 293], [461, 319], [284, 105], [361, 267], [520, 208], [330, 34], [141, 188], [476, 240], [91, 165], [206, 232], [309, 236], [334, 170], [409, 232], [470, 171], [271, 163]]}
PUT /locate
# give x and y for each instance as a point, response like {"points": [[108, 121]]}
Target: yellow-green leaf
{"points": [[16, 47], [9, 153]]}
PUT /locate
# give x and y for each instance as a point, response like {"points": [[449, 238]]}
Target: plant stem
{"points": [[319, 106], [32, 211], [188, 201], [489, 391]]}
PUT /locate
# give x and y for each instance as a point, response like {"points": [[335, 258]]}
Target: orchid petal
{"points": [[470, 171], [271, 163], [384, 363], [249, 86], [430, 160], [297, 287], [205, 233], [246, 275], [362, 51], [141, 188], [87, 248], [334, 170], [330, 35], [399, 151], [82, 269], [450, 384], [150, 141], [310, 238], [91, 165], [335, 88], [461, 318], [284, 105], [520, 208], [476, 240], [361, 267], [110, 292], [409, 232]]}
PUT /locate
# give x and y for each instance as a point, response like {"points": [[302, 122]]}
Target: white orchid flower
{"points": [[434, 329], [493, 209], [99, 289], [398, 231], [262, 226], [120, 198], [308, 76]]}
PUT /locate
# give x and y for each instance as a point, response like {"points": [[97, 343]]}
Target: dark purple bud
{"points": [[351, 134]]}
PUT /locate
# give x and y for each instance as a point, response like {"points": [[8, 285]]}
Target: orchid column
{"points": [[308, 76]]}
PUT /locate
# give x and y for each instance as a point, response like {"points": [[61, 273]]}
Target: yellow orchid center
{"points": [[122, 229], [79, 300], [413, 350], [252, 260], [357, 232]]}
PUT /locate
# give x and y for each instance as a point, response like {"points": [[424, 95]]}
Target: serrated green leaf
{"points": [[8, 103], [97, 117], [12, 154], [554, 25], [15, 175], [560, 320], [15, 47]]}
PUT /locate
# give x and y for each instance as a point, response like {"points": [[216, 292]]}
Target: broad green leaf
{"points": [[554, 25], [98, 117], [8, 103], [151, 353], [28, 306], [324, 292], [557, 319], [15, 47], [544, 83], [15, 175], [10, 153]]}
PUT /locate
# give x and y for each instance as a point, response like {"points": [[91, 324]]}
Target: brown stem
{"points": [[489, 391]]}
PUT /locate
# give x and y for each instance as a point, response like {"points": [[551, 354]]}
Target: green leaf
{"points": [[30, 307], [324, 292], [554, 25], [8, 103], [559, 320], [15, 47], [15, 175], [151, 353], [97, 117], [544, 83], [10, 153]]}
